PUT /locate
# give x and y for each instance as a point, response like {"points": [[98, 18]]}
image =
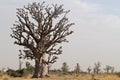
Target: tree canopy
{"points": [[40, 28]]}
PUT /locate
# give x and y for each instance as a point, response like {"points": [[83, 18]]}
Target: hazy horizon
{"points": [[96, 34]]}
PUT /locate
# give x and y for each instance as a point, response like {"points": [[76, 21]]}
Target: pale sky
{"points": [[96, 34]]}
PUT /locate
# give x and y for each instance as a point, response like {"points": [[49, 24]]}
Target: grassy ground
{"points": [[65, 77]]}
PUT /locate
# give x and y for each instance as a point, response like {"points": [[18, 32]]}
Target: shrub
{"points": [[20, 73], [65, 68], [15, 73]]}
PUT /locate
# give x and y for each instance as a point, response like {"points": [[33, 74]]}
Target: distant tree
{"points": [[89, 69], [96, 69], [112, 69], [65, 68], [109, 69], [29, 68], [77, 68], [39, 29]]}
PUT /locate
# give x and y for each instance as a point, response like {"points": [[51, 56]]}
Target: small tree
{"points": [[112, 69], [77, 68], [39, 29], [29, 68], [65, 68], [89, 69], [97, 67], [109, 69]]}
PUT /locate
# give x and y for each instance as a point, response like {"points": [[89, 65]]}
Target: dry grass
{"points": [[65, 77]]}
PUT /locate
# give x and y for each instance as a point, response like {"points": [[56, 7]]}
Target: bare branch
{"points": [[39, 29]]}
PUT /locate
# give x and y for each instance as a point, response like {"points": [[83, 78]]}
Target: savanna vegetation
{"points": [[60, 74], [40, 29]]}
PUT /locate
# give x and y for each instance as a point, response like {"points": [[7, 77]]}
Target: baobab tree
{"points": [[40, 29]]}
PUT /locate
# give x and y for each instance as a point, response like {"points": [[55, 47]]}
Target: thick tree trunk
{"points": [[36, 70], [41, 69], [44, 68]]}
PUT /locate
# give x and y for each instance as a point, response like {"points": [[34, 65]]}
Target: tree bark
{"points": [[37, 69], [41, 69], [45, 70]]}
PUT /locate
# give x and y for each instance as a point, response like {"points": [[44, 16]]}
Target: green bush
{"points": [[15, 73], [65, 68], [20, 73]]}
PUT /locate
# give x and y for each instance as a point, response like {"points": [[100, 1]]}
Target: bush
{"points": [[65, 68], [20, 73], [15, 73]]}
